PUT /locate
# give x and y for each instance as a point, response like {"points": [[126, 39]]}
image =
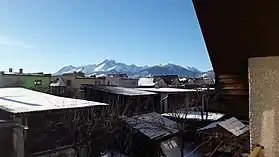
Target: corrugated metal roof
{"points": [[20, 100], [121, 90], [234, 126], [153, 125]]}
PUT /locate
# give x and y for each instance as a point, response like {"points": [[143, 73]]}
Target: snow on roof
{"points": [[183, 79], [120, 90], [59, 82], [20, 100], [195, 115], [146, 82]]}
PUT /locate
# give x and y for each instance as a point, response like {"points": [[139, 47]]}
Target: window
{"points": [[38, 82], [69, 82], [97, 82]]}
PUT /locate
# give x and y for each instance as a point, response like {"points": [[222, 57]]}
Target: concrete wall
{"points": [[129, 83], [121, 82], [26, 81], [114, 81], [264, 103], [10, 80], [77, 82]]}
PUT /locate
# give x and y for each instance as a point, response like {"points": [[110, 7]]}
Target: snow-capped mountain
{"points": [[111, 66], [208, 74], [169, 69]]}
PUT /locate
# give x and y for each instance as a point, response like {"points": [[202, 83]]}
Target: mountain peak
{"points": [[109, 61], [108, 66]]}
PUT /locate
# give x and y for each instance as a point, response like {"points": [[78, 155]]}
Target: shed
{"points": [[146, 132], [123, 99], [41, 113], [230, 126]]}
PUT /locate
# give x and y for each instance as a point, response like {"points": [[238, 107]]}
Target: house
{"points": [[73, 82], [58, 87], [146, 82], [33, 121], [34, 81], [170, 80], [118, 75], [121, 80], [130, 100]]}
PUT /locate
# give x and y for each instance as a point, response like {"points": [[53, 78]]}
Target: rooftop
{"points": [[59, 82], [153, 125], [20, 100], [146, 82], [167, 78], [121, 90], [25, 74], [232, 125]]}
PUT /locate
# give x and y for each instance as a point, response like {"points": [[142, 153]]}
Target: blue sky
{"points": [[44, 35]]}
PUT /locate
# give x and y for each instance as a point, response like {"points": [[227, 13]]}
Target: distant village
{"points": [[72, 84], [113, 115]]}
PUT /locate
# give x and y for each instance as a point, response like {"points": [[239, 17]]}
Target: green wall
{"points": [[28, 81]]}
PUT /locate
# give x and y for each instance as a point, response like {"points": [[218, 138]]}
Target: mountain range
{"points": [[111, 66]]}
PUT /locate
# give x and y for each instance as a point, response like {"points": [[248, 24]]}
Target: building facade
{"points": [[71, 83], [34, 81]]}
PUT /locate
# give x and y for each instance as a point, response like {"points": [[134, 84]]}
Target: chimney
{"points": [[10, 70], [21, 71]]}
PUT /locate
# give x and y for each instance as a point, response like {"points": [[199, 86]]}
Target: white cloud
{"points": [[10, 41]]}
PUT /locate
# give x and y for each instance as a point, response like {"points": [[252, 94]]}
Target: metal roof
{"points": [[121, 90], [20, 100], [153, 125], [232, 125]]}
